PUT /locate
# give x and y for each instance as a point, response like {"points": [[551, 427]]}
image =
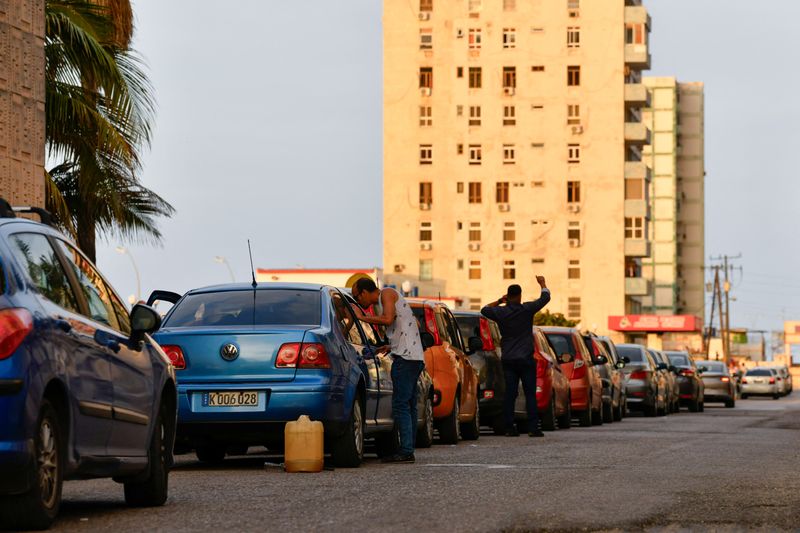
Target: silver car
{"points": [[719, 385], [645, 386], [761, 382]]}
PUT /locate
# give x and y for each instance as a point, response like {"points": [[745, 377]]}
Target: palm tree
{"points": [[98, 110]]}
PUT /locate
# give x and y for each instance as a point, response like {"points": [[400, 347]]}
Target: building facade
{"points": [[22, 122], [513, 140]]}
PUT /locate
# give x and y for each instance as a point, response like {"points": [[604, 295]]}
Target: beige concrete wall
{"points": [[22, 134]]}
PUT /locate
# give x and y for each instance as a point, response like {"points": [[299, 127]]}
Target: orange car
{"points": [[455, 382], [586, 387]]}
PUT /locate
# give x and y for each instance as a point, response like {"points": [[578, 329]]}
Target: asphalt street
{"points": [[725, 469]]}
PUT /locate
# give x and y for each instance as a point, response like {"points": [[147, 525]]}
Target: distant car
{"points": [[586, 388], [486, 362], [761, 382], [84, 390], [690, 384], [455, 382], [668, 371], [610, 374], [621, 409], [784, 378], [646, 388], [718, 383]]}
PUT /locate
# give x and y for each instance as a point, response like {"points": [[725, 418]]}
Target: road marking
{"points": [[468, 465]]}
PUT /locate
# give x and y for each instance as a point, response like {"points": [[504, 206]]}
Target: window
{"points": [[509, 38], [459, 148], [474, 6], [459, 72], [537, 68], [426, 77], [475, 154], [509, 154], [425, 231], [425, 154], [475, 78], [474, 231], [573, 4], [634, 189], [574, 307], [425, 192], [93, 287], [460, 187], [425, 116], [426, 5], [573, 192], [459, 110], [574, 231], [475, 269], [475, 304], [574, 269], [509, 232], [474, 192], [426, 39], [460, 264], [38, 258], [635, 33], [509, 5], [346, 320], [573, 114], [123, 316], [634, 227], [426, 269], [501, 192], [573, 153], [474, 38], [509, 269], [537, 261], [509, 77], [573, 37], [474, 115], [509, 115], [573, 76]]}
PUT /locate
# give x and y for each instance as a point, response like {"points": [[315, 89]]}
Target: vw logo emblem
{"points": [[229, 351]]}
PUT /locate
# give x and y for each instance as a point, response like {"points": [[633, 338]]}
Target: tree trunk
{"points": [[87, 233]]}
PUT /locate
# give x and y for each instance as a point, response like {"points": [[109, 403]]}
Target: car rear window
{"points": [[679, 359], [561, 343], [279, 307], [759, 372], [634, 354], [469, 326]]}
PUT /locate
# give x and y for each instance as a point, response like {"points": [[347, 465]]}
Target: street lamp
{"points": [[222, 260], [124, 251]]}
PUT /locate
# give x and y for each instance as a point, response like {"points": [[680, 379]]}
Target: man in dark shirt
{"points": [[516, 326]]}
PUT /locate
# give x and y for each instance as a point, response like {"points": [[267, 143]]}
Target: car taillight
{"points": [[744, 380], [486, 335], [15, 324], [175, 355], [488, 394], [288, 355], [579, 368], [307, 355], [772, 380], [430, 325], [639, 374], [725, 379], [540, 366], [688, 372]]}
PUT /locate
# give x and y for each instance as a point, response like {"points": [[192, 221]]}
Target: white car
{"points": [[761, 381]]}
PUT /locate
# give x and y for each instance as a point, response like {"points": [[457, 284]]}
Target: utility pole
{"points": [[722, 319], [725, 321], [707, 339]]}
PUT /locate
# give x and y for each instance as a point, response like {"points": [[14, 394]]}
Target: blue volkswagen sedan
{"points": [[252, 357]]}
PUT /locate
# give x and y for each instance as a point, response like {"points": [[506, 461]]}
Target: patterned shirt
{"points": [[403, 333]]}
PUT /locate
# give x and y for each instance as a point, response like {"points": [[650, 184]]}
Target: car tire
{"points": [[388, 443], [449, 428], [652, 409], [618, 412], [153, 490], [743, 396], [548, 418], [702, 406], [585, 417], [348, 448], [472, 430], [565, 420], [425, 433], [730, 403], [776, 396], [694, 405], [608, 412], [212, 454], [38, 508]]}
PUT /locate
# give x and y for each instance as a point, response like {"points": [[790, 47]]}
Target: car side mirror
{"points": [[600, 360], [673, 369], [620, 365], [427, 340], [474, 344], [701, 369], [661, 366], [626, 359], [144, 320]]}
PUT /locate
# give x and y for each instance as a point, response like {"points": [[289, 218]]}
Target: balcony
{"points": [[637, 15], [637, 133], [637, 56], [637, 208], [637, 170], [637, 94], [637, 287], [637, 248]]}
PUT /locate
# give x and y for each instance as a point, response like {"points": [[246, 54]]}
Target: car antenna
{"points": [[252, 268]]}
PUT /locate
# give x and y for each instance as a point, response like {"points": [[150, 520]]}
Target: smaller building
{"points": [[661, 332], [791, 339]]}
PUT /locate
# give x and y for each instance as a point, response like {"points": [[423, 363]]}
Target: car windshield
{"points": [[759, 372], [633, 353], [679, 359], [469, 326], [237, 308], [562, 343]]}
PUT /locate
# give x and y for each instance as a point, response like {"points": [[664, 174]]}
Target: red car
{"points": [[586, 387]]}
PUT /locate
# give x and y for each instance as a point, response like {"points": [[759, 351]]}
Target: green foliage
{"points": [[546, 318]]}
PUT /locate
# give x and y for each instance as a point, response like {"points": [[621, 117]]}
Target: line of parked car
{"points": [[91, 390]]}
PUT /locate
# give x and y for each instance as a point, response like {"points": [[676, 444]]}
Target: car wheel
{"points": [[744, 396], [694, 405], [776, 396], [472, 430], [585, 418], [702, 406], [608, 412], [549, 416], [652, 409], [348, 448], [449, 428], [730, 403], [565, 420], [152, 491], [212, 454], [38, 508], [425, 433]]}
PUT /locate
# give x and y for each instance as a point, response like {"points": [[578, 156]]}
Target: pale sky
{"points": [[269, 127]]}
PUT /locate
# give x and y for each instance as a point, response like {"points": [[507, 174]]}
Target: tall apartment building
{"points": [[513, 141], [675, 156]]}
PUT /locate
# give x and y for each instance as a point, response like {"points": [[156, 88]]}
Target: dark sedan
{"points": [[690, 384]]}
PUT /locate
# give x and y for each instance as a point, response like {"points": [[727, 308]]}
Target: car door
{"points": [[70, 342], [469, 379], [131, 367]]}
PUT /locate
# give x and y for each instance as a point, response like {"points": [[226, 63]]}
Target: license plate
{"points": [[230, 399], [758, 381]]}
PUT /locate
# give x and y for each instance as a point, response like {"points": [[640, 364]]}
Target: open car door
{"points": [[163, 296]]}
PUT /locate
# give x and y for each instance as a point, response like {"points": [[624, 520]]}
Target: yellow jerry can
{"points": [[303, 444]]}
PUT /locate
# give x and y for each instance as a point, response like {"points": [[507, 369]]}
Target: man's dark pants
{"points": [[405, 374], [524, 370]]}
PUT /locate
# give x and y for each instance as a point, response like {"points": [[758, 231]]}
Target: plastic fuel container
{"points": [[303, 444]]}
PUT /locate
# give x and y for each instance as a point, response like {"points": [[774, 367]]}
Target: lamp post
{"points": [[124, 251], [220, 259]]}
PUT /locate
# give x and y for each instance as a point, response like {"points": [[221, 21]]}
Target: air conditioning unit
{"points": [[577, 130], [425, 91], [425, 246], [474, 247], [459, 33], [425, 207], [424, 15], [504, 207], [508, 246], [574, 208], [574, 243], [574, 13], [508, 91], [399, 268]]}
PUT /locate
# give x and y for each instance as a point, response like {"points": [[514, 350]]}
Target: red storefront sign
{"points": [[655, 323]]}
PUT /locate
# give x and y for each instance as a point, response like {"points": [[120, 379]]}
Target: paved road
{"points": [[725, 469]]}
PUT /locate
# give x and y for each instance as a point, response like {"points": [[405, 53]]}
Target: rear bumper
{"points": [[579, 389], [638, 394], [748, 388], [16, 466]]}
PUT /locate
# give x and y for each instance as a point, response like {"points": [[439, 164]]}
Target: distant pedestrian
{"points": [[408, 359], [516, 326]]}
